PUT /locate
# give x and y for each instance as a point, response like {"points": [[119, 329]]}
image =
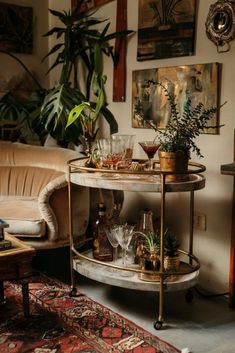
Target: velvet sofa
{"points": [[34, 195]]}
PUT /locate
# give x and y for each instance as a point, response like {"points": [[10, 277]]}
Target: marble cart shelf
{"points": [[114, 277]]}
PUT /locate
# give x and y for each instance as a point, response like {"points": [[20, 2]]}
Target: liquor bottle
{"points": [[102, 249]]}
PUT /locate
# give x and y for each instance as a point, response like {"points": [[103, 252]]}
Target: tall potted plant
{"points": [[80, 53], [177, 139], [77, 43]]}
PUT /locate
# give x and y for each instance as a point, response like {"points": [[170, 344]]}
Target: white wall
{"points": [[215, 200]]}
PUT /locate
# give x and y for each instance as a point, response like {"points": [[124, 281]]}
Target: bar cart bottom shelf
{"points": [[131, 280]]}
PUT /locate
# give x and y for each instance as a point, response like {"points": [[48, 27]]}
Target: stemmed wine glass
{"points": [[150, 148], [124, 235], [111, 234]]}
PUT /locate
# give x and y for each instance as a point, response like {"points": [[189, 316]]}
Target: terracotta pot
{"points": [[175, 162]]}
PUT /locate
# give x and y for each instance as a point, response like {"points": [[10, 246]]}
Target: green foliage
{"points": [[78, 44], [14, 112], [171, 244], [181, 130], [151, 242]]}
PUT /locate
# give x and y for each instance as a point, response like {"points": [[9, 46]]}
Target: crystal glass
{"points": [[111, 152], [124, 235], [112, 237], [128, 142], [150, 148]]}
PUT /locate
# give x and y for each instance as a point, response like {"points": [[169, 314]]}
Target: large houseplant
{"points": [[77, 42]]}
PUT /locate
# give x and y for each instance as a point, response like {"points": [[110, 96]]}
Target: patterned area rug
{"points": [[62, 324]]}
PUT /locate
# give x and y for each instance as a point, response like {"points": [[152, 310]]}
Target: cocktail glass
{"points": [[112, 237], [150, 148], [124, 235]]}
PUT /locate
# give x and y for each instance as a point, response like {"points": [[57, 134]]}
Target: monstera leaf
{"points": [[55, 110]]}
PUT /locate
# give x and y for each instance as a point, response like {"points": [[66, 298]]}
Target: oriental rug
{"points": [[59, 323]]}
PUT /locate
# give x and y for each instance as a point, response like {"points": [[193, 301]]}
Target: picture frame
{"points": [[88, 4], [16, 31], [199, 81], [166, 29]]}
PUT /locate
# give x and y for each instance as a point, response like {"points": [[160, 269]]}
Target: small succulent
{"points": [[171, 244], [151, 242]]}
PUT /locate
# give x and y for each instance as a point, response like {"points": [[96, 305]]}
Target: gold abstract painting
{"points": [[200, 82]]}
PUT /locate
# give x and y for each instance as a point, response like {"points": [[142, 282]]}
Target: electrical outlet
{"points": [[200, 221]]}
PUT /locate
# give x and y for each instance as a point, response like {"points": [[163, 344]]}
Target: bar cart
{"points": [[153, 181]]}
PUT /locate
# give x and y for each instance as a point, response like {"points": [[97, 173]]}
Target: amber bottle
{"points": [[102, 249]]}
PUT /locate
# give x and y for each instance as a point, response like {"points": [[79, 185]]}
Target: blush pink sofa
{"points": [[34, 195]]}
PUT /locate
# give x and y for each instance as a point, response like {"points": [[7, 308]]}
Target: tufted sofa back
{"points": [[18, 154], [25, 169]]}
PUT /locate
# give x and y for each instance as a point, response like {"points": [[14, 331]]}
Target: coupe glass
{"points": [[150, 148]]}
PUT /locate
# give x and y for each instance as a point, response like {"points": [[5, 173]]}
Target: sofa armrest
{"points": [[53, 206], [45, 208]]}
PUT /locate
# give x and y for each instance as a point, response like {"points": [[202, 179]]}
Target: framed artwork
{"points": [[16, 28], [200, 82], [166, 29], [88, 4]]}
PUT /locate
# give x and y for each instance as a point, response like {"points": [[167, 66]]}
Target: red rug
{"points": [[61, 324]]}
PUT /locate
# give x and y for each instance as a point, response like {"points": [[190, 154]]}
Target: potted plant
{"points": [[149, 259], [171, 258], [177, 139], [82, 48], [15, 120], [80, 80]]}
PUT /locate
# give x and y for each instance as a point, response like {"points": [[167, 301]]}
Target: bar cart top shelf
{"points": [[132, 180]]}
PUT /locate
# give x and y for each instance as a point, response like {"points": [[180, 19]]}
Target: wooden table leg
{"points": [[25, 296]]}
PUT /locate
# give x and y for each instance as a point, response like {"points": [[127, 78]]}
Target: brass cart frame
{"points": [[150, 181]]}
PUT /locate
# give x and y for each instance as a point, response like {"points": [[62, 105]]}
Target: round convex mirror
{"points": [[220, 23]]}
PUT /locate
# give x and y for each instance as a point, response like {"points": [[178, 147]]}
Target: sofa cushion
{"points": [[23, 216]]}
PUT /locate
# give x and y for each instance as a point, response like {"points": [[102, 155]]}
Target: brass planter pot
{"points": [[175, 162], [172, 263], [150, 262]]}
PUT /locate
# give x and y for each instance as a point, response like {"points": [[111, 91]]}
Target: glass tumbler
{"points": [[111, 152], [128, 142]]}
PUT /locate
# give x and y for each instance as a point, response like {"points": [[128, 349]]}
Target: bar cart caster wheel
{"points": [[158, 325], [73, 292], [189, 296]]}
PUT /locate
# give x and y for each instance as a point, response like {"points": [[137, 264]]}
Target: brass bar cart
{"points": [[136, 181]]}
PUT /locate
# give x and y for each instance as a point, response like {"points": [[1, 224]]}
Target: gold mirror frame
{"points": [[220, 24]]}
